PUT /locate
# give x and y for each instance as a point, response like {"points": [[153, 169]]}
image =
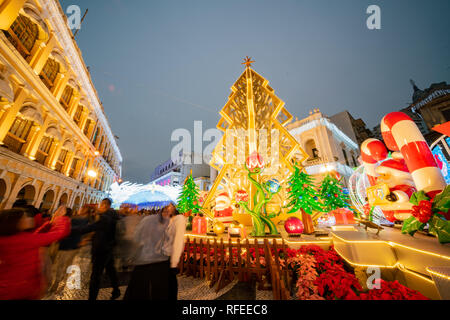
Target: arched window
{"points": [[87, 126], [78, 114], [345, 157], [311, 150], [94, 138], [44, 149], [61, 160], [73, 168], [66, 97], [18, 134], [23, 34], [49, 73]]}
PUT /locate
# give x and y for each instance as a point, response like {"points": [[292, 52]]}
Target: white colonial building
{"points": [[329, 149], [56, 145]]}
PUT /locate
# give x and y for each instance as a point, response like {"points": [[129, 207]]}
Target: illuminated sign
{"points": [[442, 162]]}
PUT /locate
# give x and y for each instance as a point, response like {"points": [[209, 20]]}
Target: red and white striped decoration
{"points": [[400, 133], [372, 151]]}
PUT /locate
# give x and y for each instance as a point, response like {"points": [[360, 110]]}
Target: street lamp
{"points": [[92, 173]]}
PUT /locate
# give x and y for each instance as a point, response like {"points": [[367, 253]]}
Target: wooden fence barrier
{"points": [[221, 263]]}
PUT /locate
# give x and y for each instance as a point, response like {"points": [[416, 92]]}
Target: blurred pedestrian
{"points": [[103, 242], [68, 249], [125, 237], [150, 277], [20, 263], [178, 223]]}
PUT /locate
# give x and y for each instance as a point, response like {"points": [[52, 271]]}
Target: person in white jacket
{"points": [[178, 228], [150, 278]]}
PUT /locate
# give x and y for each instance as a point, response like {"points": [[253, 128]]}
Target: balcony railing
{"points": [[41, 157], [13, 142]]}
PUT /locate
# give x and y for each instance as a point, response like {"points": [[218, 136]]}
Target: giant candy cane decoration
{"points": [[400, 133]]}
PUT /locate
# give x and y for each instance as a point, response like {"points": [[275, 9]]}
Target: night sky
{"points": [[161, 65]]}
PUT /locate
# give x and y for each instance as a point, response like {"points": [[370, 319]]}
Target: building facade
{"points": [[56, 145], [355, 129], [433, 104], [329, 149], [173, 172], [429, 108]]}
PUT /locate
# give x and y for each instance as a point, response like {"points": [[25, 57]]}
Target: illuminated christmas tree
{"points": [[188, 199], [303, 197], [332, 194], [253, 122]]}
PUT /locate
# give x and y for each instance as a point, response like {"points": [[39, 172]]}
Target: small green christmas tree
{"points": [[332, 194], [303, 197], [188, 199], [303, 194]]}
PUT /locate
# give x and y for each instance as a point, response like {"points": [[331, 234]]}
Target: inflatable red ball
{"points": [[293, 225]]}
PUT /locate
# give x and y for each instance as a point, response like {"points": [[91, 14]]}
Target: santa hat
{"points": [[396, 166], [224, 196]]}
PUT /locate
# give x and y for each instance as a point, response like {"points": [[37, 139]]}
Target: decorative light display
{"points": [[241, 195], [293, 225], [119, 193], [246, 162], [332, 193], [218, 227], [199, 225]]}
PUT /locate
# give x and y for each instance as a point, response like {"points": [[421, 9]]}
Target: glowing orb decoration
{"points": [[273, 185], [293, 225], [241, 195], [255, 161], [218, 228]]}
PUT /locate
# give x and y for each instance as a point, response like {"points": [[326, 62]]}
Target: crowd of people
{"points": [[37, 250]]}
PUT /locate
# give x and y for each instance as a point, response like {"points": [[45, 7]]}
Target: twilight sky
{"points": [[161, 65]]}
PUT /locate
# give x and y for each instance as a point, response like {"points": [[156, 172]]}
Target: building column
{"points": [[9, 10], [54, 154], [10, 114], [61, 82], [84, 118], [68, 162], [35, 141], [81, 172], [40, 58], [73, 105]]}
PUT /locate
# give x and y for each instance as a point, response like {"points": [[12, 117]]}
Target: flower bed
{"points": [[321, 275], [318, 274]]}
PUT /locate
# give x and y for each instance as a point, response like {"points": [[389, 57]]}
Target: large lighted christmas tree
{"points": [[253, 122], [303, 197], [332, 194], [188, 199]]}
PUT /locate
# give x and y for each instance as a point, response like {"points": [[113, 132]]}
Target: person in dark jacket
{"points": [[103, 243]]}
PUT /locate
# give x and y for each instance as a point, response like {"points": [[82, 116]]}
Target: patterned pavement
{"points": [[189, 288]]}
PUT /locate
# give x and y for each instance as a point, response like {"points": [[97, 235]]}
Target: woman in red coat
{"points": [[20, 265]]}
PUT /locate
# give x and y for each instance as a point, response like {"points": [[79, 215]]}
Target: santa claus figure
{"points": [[395, 174], [223, 211]]}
